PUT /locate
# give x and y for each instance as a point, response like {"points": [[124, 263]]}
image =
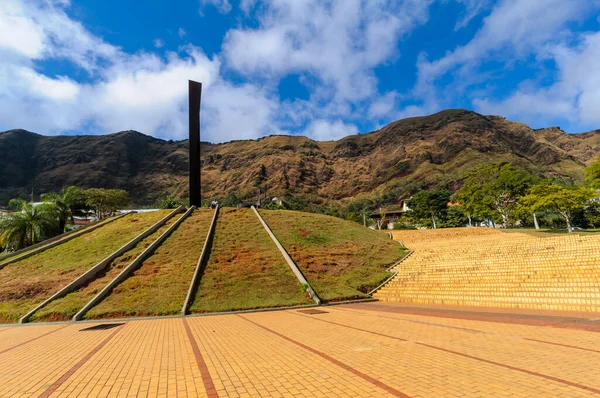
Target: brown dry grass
{"points": [[160, 285], [65, 307], [340, 259], [245, 270]]}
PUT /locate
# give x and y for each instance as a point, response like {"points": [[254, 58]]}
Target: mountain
{"points": [[403, 157]]}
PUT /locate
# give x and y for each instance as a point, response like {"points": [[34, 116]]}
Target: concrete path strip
{"points": [[52, 242], [288, 259], [136, 263], [90, 274], [200, 264]]}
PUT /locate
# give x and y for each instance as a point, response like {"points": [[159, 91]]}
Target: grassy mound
{"points": [[245, 270], [65, 307], [160, 285], [340, 259], [26, 283]]}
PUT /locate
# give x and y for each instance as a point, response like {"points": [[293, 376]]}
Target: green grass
{"points": [[160, 285], [340, 259], [245, 270], [26, 283], [65, 307]]}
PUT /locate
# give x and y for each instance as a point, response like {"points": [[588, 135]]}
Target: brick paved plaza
{"points": [[359, 350]]}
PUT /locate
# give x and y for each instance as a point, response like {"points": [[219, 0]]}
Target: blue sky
{"points": [[321, 68]]}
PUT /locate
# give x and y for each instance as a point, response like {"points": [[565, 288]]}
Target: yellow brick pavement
{"points": [[346, 352]]}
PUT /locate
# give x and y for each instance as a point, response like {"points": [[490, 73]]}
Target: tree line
{"points": [[30, 223], [501, 193]]}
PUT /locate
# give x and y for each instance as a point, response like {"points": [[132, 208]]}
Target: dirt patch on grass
{"points": [[160, 285], [340, 259], [27, 283], [245, 270]]}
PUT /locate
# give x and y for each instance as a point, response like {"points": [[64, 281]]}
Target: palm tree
{"points": [[32, 224], [66, 204]]}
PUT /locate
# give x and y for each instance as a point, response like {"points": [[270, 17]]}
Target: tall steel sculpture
{"points": [[195, 94]]}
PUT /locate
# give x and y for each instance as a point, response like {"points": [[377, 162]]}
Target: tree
{"points": [[105, 202], [68, 204], [381, 220], [231, 200], [31, 225], [494, 187], [169, 202], [565, 200], [454, 217], [261, 176], [592, 174], [430, 204]]}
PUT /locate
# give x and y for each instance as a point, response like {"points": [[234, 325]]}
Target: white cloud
{"points": [[574, 96], [158, 43], [247, 5], [18, 33], [472, 9], [223, 6], [384, 105], [338, 41], [129, 91], [323, 130], [182, 33], [508, 36], [412, 111]]}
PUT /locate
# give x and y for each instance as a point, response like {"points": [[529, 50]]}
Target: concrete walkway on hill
{"points": [[355, 350]]}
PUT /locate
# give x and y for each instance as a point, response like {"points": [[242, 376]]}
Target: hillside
{"points": [[244, 269], [402, 157]]}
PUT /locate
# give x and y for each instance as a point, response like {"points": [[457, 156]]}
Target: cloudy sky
{"points": [[321, 68]]}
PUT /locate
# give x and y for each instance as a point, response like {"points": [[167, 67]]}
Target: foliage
{"points": [[454, 217], [272, 206], [403, 225], [592, 214], [31, 225], [68, 204], [169, 202], [261, 176], [105, 202], [429, 204], [494, 187], [592, 174], [230, 200], [565, 200]]}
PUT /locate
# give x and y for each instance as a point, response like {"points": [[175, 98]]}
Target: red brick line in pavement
{"points": [[209, 386], [356, 372], [34, 339], [78, 365], [519, 319], [470, 330], [569, 383]]}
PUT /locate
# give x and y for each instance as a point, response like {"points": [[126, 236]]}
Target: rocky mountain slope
{"points": [[402, 157]]}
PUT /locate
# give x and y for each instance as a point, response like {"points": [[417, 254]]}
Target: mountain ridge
{"points": [[401, 157]]}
